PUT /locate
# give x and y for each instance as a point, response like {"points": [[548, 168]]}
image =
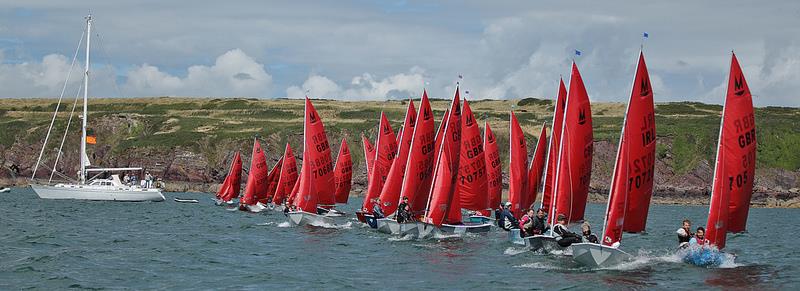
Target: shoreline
{"points": [[660, 196]]}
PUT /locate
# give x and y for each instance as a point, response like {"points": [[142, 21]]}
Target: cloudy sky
{"points": [[392, 49]]}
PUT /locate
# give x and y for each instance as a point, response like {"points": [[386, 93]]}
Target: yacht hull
{"points": [[80, 192]]}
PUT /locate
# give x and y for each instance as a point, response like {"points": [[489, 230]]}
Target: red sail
{"points": [[232, 185], [316, 179], [272, 185], [517, 167], [369, 156], [632, 181], [537, 168], [472, 183], [494, 168], [257, 178], [640, 128], [288, 176], [386, 149], [394, 180], [343, 173], [419, 167], [443, 205], [574, 169], [736, 157], [552, 152]]}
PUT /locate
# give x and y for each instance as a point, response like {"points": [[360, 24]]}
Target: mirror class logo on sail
{"points": [[738, 85], [644, 89]]}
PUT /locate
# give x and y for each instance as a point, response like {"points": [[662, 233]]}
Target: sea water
{"points": [[57, 244]]}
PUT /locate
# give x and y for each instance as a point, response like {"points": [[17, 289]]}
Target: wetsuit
{"points": [[377, 211], [509, 221], [403, 214], [591, 238], [565, 237], [539, 225]]}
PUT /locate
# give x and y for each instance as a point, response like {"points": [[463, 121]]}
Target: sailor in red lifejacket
{"points": [[699, 238]]}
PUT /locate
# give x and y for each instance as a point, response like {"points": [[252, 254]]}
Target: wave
{"points": [[407, 237]]}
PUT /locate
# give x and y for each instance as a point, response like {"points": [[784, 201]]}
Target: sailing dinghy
{"points": [[734, 171], [534, 177], [385, 152], [316, 175], [256, 181], [473, 182], [232, 185], [537, 242], [286, 179], [390, 196], [443, 213], [631, 181], [86, 188], [574, 164], [343, 173], [494, 175], [416, 178]]}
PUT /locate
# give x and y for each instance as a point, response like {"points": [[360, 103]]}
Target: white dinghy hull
{"points": [[84, 192], [299, 218], [598, 256], [391, 226]]}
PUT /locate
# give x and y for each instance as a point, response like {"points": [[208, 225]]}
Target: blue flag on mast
{"points": [[645, 35], [577, 52]]}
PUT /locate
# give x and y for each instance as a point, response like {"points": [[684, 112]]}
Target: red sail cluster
{"points": [[444, 171]]}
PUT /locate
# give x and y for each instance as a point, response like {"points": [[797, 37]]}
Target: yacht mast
{"points": [[85, 100]]}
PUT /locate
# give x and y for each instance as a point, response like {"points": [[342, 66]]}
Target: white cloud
{"points": [[234, 73], [315, 86], [363, 87]]}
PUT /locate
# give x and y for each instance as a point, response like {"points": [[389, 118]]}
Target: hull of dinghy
{"points": [[391, 226], [598, 256], [299, 218]]}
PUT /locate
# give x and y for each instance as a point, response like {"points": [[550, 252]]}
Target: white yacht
{"points": [[89, 189]]}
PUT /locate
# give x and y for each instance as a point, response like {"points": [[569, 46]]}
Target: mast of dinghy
{"points": [[85, 99]]}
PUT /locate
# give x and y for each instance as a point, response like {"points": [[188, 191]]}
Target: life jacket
{"points": [[700, 241], [525, 218]]}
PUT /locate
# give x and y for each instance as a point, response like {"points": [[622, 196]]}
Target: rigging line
{"points": [[66, 130], [60, 97]]}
